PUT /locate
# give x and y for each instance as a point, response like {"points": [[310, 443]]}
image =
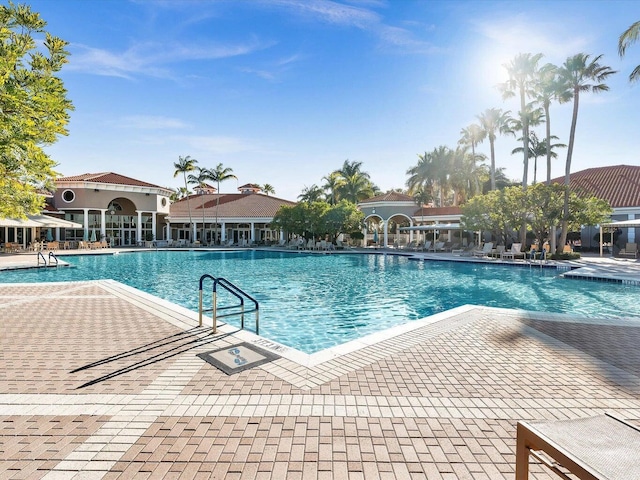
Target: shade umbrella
{"points": [[93, 235], [49, 236], [375, 236]]}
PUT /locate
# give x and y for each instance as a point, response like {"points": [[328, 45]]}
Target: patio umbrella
{"points": [[375, 236], [93, 235], [49, 236]]}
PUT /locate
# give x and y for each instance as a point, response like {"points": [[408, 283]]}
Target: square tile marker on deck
{"points": [[237, 358]]}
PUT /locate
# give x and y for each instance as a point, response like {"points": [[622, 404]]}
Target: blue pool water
{"points": [[312, 302]]}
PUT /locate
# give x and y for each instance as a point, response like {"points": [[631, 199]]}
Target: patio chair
{"points": [[484, 252], [513, 253], [629, 250], [438, 247]]}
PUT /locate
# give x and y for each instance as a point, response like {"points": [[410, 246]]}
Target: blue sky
{"points": [[283, 91]]}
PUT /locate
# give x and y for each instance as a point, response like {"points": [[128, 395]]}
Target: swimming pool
{"points": [[312, 302]]}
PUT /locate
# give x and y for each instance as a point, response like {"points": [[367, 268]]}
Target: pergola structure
{"points": [[620, 224]]}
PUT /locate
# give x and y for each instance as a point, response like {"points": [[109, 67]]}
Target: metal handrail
{"points": [[236, 292], [44, 260], [51, 254]]}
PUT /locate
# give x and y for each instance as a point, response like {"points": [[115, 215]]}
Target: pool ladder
{"points": [[233, 310], [44, 260]]}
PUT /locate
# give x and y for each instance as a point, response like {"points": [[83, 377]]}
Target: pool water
{"points": [[312, 302]]}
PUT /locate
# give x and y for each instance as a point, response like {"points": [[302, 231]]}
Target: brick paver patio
{"points": [[100, 381]]}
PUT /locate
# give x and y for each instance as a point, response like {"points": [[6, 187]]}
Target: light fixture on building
{"points": [[373, 211]]}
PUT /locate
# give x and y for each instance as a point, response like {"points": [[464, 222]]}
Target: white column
{"points": [[57, 234], [86, 224], [139, 226], [153, 224], [193, 233], [223, 232], [364, 232], [631, 231], [252, 237], [103, 223], [281, 235], [385, 229]]}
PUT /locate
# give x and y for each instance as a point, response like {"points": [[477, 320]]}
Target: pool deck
{"points": [[100, 380]]}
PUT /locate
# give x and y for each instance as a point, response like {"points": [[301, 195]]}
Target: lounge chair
{"points": [[598, 447], [497, 252], [438, 247], [484, 252], [629, 250], [513, 253]]}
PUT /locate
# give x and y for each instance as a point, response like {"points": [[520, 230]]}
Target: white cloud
{"points": [[152, 58]]}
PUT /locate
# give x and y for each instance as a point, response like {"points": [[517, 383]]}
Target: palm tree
{"points": [[268, 189], [629, 36], [220, 174], [421, 179], [333, 183], [472, 136], [432, 171], [185, 165], [494, 121], [200, 180], [466, 176], [522, 71], [538, 148], [578, 74], [546, 89], [355, 184], [311, 194]]}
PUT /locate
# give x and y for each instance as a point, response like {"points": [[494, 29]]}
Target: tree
{"points": [[494, 121], [333, 182], [268, 189], [34, 109], [472, 136], [628, 37], [546, 88], [578, 74], [203, 176], [466, 176], [183, 166], [354, 185], [522, 71], [218, 175], [539, 148], [317, 219], [311, 194], [432, 173]]}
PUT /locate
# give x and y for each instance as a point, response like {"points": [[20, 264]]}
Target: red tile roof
{"points": [[108, 177], [389, 197], [433, 211], [231, 205], [618, 184]]}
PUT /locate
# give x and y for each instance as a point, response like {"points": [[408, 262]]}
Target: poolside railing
{"points": [[234, 310]]}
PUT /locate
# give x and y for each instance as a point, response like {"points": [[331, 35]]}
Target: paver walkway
{"points": [[101, 381]]}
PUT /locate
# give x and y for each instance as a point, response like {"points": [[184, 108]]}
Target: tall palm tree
{"points": [[220, 174], [472, 136], [268, 189], [201, 178], [311, 194], [577, 74], [629, 36], [466, 175], [545, 90], [185, 165], [522, 71], [332, 185], [539, 148], [494, 121]]}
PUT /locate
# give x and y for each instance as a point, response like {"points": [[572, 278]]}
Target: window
{"points": [[68, 196]]}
